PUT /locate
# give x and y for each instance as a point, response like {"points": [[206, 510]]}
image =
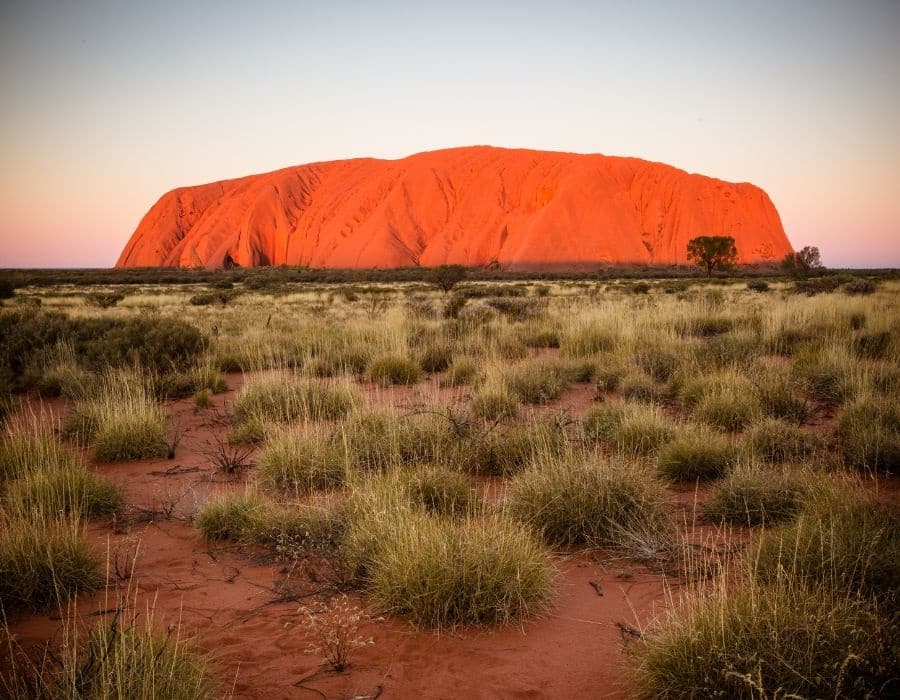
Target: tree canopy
{"points": [[712, 252], [446, 277], [802, 262]]}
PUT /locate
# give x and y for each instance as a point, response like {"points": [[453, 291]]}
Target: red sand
{"points": [[225, 599], [474, 206]]}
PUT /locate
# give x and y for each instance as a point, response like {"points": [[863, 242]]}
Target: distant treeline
{"points": [[261, 277]]}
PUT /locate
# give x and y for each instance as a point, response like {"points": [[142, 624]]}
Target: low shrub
{"points": [[695, 455], [515, 309], [860, 287], [758, 286], [874, 345], [104, 300], [570, 499]]}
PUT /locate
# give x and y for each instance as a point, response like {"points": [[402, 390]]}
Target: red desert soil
{"points": [[478, 205], [228, 600]]}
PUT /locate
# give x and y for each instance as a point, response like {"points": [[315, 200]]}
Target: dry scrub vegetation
{"points": [[438, 452]]}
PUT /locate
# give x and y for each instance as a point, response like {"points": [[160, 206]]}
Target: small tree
{"points": [[712, 252], [802, 262], [446, 277]]}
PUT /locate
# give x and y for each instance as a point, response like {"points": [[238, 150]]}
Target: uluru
{"points": [[476, 206]]}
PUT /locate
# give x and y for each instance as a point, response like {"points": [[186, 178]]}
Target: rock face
{"points": [[475, 206]]}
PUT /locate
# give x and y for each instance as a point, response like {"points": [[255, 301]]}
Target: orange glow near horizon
{"points": [[107, 106]]}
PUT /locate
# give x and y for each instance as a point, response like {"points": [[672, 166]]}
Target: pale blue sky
{"points": [[107, 105]]}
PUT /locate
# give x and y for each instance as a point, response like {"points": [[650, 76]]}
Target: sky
{"points": [[106, 105]]}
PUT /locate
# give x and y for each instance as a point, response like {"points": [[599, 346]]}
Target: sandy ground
{"points": [[232, 602]]}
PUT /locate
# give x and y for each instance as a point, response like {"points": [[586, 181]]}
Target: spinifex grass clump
{"points": [[754, 494], [768, 641], [67, 490], [775, 440], [388, 370], [463, 371], [380, 439], [780, 396], [507, 449], [44, 560], [827, 374], [437, 571], [538, 381], [250, 518], [119, 657], [493, 404], [122, 421], [302, 461], [280, 399], [868, 431], [39, 475], [571, 499], [696, 454], [26, 448], [441, 491], [587, 341], [844, 537], [627, 427], [724, 399]]}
